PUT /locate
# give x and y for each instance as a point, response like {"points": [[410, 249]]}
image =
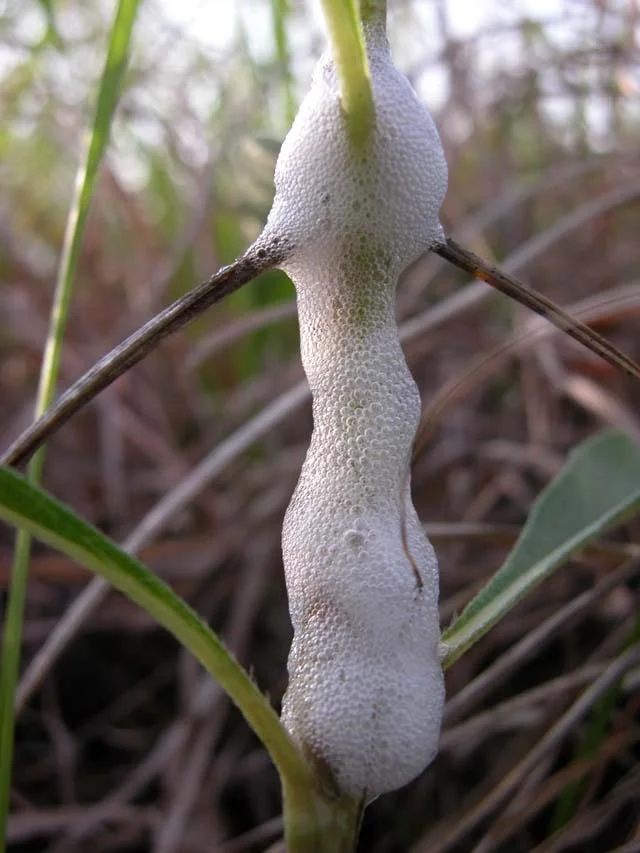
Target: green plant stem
{"points": [[115, 66], [280, 10], [321, 823], [349, 53], [8, 675]]}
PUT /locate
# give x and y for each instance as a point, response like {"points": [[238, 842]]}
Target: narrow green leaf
{"points": [[280, 11], [31, 509], [349, 54], [109, 92], [599, 486]]}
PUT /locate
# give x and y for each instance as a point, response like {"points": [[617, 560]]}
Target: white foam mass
{"points": [[365, 692]]}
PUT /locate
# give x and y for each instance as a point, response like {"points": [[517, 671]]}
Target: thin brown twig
{"points": [[260, 257], [476, 266]]}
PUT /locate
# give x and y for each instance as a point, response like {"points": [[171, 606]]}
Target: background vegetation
{"points": [[122, 744]]}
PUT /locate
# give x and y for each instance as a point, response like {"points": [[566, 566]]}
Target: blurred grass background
{"points": [[124, 747]]}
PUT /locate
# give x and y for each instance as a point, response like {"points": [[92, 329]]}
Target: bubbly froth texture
{"points": [[365, 692]]}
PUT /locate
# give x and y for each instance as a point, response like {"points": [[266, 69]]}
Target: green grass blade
{"points": [[348, 49], [30, 508], [110, 86], [280, 10], [599, 486]]}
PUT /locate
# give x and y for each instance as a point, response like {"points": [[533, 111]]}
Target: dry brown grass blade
{"points": [[584, 827], [505, 828], [476, 266], [509, 715], [257, 259]]}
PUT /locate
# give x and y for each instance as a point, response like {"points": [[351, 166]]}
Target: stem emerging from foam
{"points": [[349, 54]]}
